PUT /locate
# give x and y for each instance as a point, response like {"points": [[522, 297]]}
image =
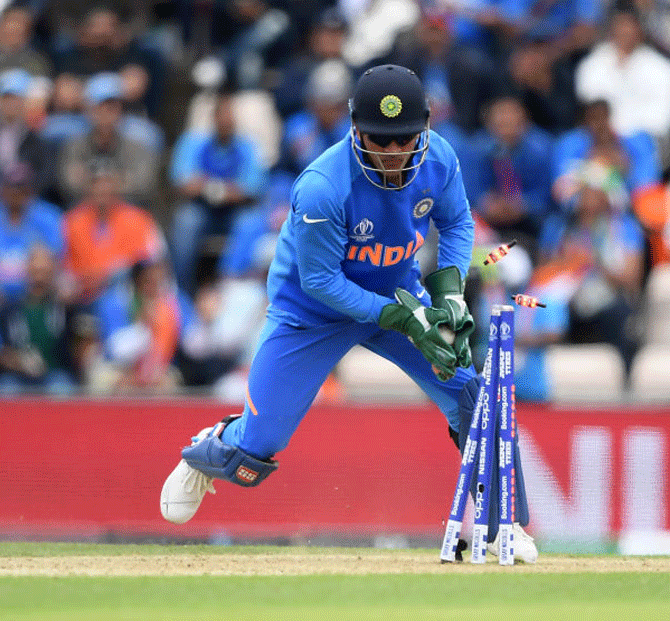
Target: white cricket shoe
{"points": [[184, 489], [524, 546]]}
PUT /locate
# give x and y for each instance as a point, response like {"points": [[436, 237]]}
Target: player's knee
{"points": [[466, 408], [222, 461]]}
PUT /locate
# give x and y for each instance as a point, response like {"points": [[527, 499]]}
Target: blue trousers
{"points": [[291, 363]]}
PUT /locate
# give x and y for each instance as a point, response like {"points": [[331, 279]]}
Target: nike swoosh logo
{"points": [[313, 220]]}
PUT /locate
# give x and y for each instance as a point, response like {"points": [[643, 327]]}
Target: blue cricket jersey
{"points": [[347, 245]]}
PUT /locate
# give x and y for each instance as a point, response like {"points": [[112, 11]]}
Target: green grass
{"points": [[384, 597], [387, 597]]}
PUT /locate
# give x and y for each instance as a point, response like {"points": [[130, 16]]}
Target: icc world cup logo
{"points": [[363, 230]]}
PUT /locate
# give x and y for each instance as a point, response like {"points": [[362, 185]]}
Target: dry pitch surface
{"points": [[296, 563]]}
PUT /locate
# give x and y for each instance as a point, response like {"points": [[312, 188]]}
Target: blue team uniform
{"points": [[350, 240], [344, 249]]}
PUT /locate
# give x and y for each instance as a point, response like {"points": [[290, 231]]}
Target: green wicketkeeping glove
{"points": [[421, 325], [445, 288]]}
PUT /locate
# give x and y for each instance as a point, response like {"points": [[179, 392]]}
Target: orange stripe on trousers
{"points": [[252, 407]]}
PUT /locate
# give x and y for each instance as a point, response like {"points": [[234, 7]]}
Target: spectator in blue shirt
{"points": [[323, 122], [604, 248], [536, 330], [254, 236], [324, 39], [632, 161], [25, 220], [497, 26], [218, 176], [65, 118], [506, 172], [564, 26]]}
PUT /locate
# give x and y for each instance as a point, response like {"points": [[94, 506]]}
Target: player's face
{"points": [[390, 162], [389, 154]]}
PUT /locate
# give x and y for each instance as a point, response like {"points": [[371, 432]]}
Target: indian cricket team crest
{"points": [[422, 207], [391, 106], [363, 230]]}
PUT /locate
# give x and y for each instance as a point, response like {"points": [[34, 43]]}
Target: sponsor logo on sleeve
{"points": [[308, 220]]}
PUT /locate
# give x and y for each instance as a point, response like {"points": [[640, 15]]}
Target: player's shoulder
{"points": [[440, 148], [442, 155], [330, 173]]}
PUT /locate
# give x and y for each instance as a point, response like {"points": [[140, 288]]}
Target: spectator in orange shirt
{"points": [[105, 237], [652, 208]]}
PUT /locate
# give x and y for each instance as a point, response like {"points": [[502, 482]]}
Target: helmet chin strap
{"points": [[373, 172]]}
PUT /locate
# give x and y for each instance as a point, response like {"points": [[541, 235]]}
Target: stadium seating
{"points": [[657, 306], [586, 372], [650, 375]]}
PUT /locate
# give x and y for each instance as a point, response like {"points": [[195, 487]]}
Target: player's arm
{"points": [[320, 233], [453, 220], [446, 286]]}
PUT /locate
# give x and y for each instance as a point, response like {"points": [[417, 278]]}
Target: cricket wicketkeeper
{"points": [[345, 274]]}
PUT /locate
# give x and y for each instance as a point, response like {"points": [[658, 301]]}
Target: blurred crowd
{"points": [[147, 151]]}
